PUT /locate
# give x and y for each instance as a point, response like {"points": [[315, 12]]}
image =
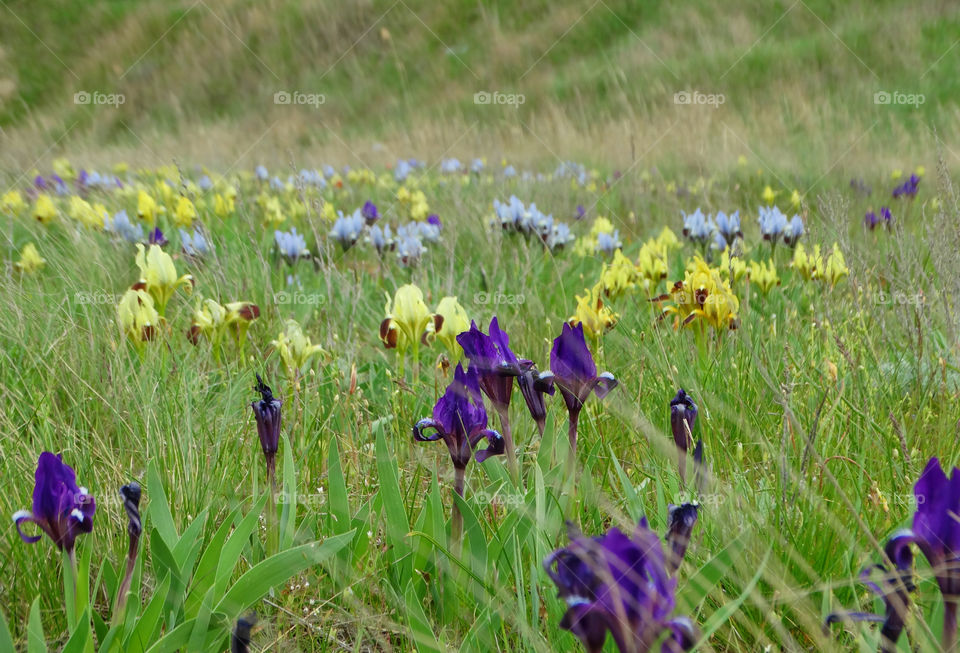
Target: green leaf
{"points": [[174, 640], [288, 513], [202, 623], [475, 549], [146, 627], [36, 640], [338, 503], [634, 505], [80, 638], [206, 572], [158, 509], [235, 544], [276, 570], [6, 641], [420, 631], [394, 512]]}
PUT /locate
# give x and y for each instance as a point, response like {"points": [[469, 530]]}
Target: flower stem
{"points": [[456, 522], [272, 526], [572, 423], [70, 587], [504, 412], [949, 624]]}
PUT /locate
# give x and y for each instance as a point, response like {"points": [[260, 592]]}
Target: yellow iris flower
{"points": [[453, 321], [596, 318], [734, 266], [835, 269], [185, 213], [12, 203], [703, 294], [295, 349], [44, 210], [618, 277], [763, 275], [810, 266], [90, 216], [769, 195], [30, 260], [158, 276], [408, 319], [138, 317], [146, 207]]}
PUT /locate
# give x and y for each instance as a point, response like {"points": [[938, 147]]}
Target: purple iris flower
{"points": [[683, 416], [497, 366], [460, 420], [157, 238], [894, 587], [620, 584], [908, 188], [370, 212], [871, 220], [580, 213], [267, 413], [495, 363], [434, 219], [61, 509], [574, 371], [936, 532]]}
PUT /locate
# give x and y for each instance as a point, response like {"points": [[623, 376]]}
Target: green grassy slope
{"points": [[798, 79]]}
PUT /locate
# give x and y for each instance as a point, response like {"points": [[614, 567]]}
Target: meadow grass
{"points": [[809, 469]]}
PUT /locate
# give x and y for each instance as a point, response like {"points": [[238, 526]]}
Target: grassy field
{"points": [[817, 413]]}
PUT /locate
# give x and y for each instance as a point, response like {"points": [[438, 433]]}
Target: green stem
{"points": [[272, 526], [512, 467], [456, 521], [70, 588]]}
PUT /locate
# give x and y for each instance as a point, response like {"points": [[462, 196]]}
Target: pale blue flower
{"points": [[381, 239], [450, 166], [121, 226], [698, 227], [608, 243], [260, 172], [291, 245], [347, 228], [793, 231], [728, 229], [772, 223], [194, 245]]}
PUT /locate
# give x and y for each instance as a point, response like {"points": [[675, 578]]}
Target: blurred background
{"points": [[801, 87]]}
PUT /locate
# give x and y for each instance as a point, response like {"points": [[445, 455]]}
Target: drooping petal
{"points": [[495, 444], [680, 522]]}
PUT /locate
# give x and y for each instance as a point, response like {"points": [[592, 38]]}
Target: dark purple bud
{"points": [[157, 238], [683, 416], [680, 522], [267, 413], [434, 219], [242, 632]]}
